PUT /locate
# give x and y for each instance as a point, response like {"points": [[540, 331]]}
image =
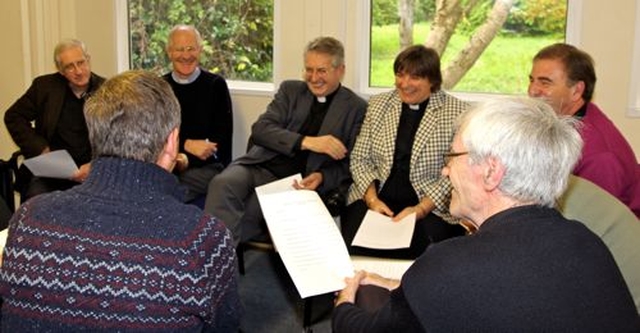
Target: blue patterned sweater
{"points": [[119, 252]]}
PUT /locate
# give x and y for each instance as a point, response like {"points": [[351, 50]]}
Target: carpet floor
{"points": [[272, 303]]}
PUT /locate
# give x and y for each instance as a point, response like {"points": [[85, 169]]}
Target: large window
{"points": [[486, 45], [237, 34]]}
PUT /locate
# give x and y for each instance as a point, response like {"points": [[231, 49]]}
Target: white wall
{"points": [[13, 82], [608, 35], [32, 27]]}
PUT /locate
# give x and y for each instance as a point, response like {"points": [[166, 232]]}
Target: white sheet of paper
{"points": [[3, 238], [307, 239], [378, 231], [280, 185], [389, 268], [56, 164]]}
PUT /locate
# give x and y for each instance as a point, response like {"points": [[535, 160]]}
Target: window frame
{"points": [[242, 87], [362, 49], [572, 36]]}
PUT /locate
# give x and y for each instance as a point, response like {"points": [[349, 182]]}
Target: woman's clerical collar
{"points": [[321, 99], [416, 107]]}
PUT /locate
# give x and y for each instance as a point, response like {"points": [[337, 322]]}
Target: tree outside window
{"points": [[237, 35], [486, 45]]}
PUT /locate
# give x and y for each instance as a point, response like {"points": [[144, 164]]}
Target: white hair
{"points": [[66, 44], [183, 27], [537, 147]]}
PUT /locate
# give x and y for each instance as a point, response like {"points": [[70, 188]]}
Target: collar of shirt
{"points": [[581, 112], [189, 79], [417, 107], [328, 98]]}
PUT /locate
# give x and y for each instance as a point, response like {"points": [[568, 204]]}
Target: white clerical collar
{"points": [[414, 106], [321, 99], [189, 79]]}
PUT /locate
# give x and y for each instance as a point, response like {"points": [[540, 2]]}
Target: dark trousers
{"points": [[29, 185], [39, 185]]}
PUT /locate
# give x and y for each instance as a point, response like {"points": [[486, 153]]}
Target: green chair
{"points": [[612, 221]]}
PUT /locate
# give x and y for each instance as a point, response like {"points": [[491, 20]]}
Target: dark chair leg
{"points": [[240, 256], [307, 306]]}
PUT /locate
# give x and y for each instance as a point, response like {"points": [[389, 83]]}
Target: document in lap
{"points": [[306, 236], [378, 231], [56, 164], [389, 268]]}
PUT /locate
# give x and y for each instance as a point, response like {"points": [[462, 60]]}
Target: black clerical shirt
{"points": [[397, 191]]}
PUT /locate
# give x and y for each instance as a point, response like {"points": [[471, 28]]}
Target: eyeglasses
{"points": [[321, 72], [450, 155], [70, 67], [187, 49]]}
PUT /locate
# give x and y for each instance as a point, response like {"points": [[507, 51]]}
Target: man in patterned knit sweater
{"points": [[121, 252]]}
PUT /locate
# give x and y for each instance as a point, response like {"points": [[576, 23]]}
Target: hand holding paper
{"points": [[310, 244], [280, 185], [306, 236], [55, 164], [378, 231]]}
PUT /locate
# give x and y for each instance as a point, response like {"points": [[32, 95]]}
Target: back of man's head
{"points": [[131, 116], [537, 147]]}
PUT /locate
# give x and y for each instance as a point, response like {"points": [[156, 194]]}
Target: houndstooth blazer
{"points": [[372, 156]]}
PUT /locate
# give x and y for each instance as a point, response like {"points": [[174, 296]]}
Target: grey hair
{"points": [[183, 27], [66, 44], [329, 46], [131, 116], [537, 147]]}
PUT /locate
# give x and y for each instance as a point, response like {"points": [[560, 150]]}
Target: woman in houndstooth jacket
{"points": [[399, 154]]}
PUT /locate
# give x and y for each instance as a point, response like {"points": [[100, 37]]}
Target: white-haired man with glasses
{"points": [[527, 268], [54, 104]]}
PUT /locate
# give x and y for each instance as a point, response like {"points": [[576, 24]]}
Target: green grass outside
{"points": [[502, 68]]}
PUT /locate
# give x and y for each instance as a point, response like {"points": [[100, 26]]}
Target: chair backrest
{"points": [[7, 177], [7, 196], [612, 221]]}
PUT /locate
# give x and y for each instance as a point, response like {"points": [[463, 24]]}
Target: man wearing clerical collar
{"points": [[206, 129], [308, 128]]}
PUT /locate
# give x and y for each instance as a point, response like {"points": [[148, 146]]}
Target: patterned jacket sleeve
{"points": [[363, 164], [372, 157], [426, 171]]}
